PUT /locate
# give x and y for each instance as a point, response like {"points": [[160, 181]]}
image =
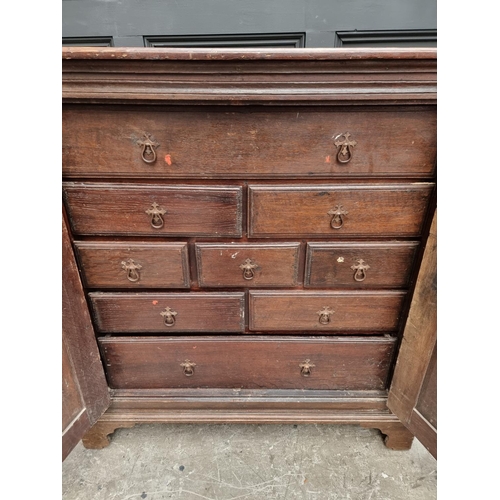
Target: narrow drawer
{"points": [[167, 313], [225, 142], [338, 210], [133, 265], [249, 363], [248, 265], [153, 210], [360, 265], [336, 311]]}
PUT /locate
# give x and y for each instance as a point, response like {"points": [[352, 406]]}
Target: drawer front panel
{"points": [[247, 265], [253, 362], [336, 211], [188, 142], [133, 265], [153, 210], [168, 313], [340, 312], [360, 265]]}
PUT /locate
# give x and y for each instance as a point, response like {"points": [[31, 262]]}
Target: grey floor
{"points": [[251, 462]]}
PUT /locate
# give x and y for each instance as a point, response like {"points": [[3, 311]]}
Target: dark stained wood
{"points": [[269, 186], [248, 142], [427, 399], [295, 77], [72, 403], [249, 399], [120, 209], [85, 391], [277, 264], [396, 436], [330, 264], [155, 362], [163, 265], [417, 350], [356, 311], [373, 210], [141, 313]]}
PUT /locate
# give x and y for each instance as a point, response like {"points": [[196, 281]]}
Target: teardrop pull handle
{"points": [[338, 213], [149, 145], [306, 368], [188, 368], [156, 213], [248, 269], [345, 145], [360, 269], [169, 316], [132, 269], [324, 315]]}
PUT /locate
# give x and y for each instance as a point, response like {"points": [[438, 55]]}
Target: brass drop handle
{"points": [[338, 213], [248, 269], [188, 368], [305, 368], [149, 146], [156, 213], [169, 316], [132, 269], [324, 315], [360, 270], [345, 145]]}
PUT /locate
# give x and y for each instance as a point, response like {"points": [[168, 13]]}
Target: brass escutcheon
{"points": [[305, 368], [324, 315], [188, 367], [131, 268], [345, 144], [248, 269], [148, 144], [337, 214], [156, 213], [169, 316], [360, 270]]}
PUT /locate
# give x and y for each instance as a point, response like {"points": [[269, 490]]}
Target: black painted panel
{"points": [[128, 22]]}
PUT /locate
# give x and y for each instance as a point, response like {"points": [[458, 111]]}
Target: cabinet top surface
{"points": [[330, 54]]}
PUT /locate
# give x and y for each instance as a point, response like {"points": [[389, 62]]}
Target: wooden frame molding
{"points": [[272, 76]]}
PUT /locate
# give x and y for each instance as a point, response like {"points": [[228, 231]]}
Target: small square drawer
{"points": [[338, 210], [248, 265], [133, 265], [250, 362], [153, 210], [326, 311], [359, 265], [168, 313]]}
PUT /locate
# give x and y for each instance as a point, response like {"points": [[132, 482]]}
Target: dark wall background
{"points": [[240, 23]]}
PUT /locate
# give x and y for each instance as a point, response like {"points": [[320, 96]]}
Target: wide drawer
{"points": [[133, 265], [325, 311], [359, 265], [194, 142], [252, 362], [247, 265], [153, 210], [338, 210], [168, 313]]}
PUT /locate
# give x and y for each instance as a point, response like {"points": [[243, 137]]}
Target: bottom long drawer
{"points": [[252, 362]]}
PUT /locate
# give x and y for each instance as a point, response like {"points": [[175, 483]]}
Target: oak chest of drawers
{"points": [[248, 228]]}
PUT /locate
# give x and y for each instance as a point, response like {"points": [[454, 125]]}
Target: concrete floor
{"points": [[251, 462]]}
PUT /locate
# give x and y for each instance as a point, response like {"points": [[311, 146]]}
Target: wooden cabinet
{"points": [[248, 228]]}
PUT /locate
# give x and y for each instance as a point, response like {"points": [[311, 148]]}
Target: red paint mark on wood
{"points": [[155, 302], [327, 159], [168, 160]]}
